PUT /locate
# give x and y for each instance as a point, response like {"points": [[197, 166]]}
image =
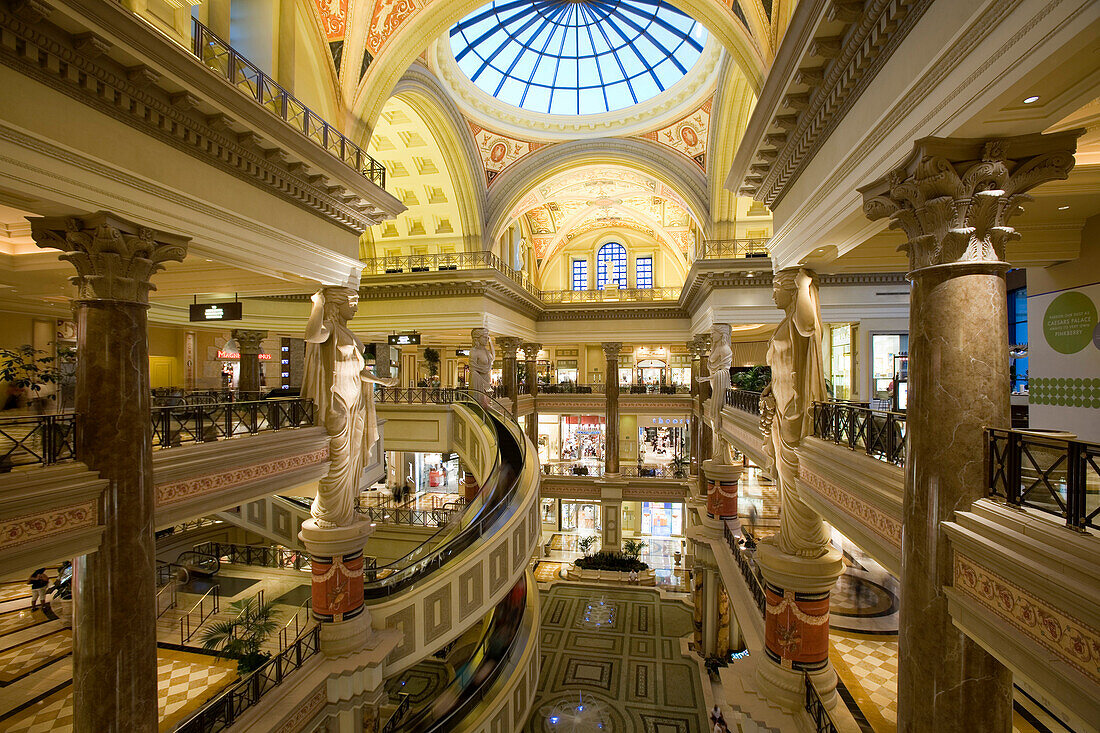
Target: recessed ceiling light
{"points": [[1062, 208], [1031, 100]]}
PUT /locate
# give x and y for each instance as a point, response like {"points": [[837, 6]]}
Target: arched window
{"points": [[611, 265]]}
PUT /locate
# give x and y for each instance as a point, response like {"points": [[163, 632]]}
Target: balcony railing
{"points": [[816, 708], [744, 400], [748, 572], [414, 517], [200, 423], [258, 555], [568, 468], [665, 389], [36, 439], [570, 388], [221, 58], [220, 713], [1047, 473], [880, 434], [445, 262], [667, 472], [621, 295], [732, 249]]}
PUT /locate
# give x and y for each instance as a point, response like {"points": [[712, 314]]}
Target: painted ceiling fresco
{"points": [[687, 136], [498, 151]]}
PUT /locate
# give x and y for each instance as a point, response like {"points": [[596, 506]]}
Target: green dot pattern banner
{"points": [[1065, 392]]}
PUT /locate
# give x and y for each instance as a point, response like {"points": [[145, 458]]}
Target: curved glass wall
{"points": [[576, 57]]}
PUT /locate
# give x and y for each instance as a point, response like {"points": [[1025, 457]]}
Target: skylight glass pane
{"points": [[574, 47]]}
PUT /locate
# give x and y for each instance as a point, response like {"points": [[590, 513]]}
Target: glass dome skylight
{"points": [[576, 57]]}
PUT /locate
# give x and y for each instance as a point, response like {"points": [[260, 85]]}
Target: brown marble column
{"points": [[251, 344], [696, 409], [531, 354], [611, 350], [508, 346], [114, 629], [705, 433], [952, 198]]}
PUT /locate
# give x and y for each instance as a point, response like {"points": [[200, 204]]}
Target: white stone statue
{"points": [[786, 416], [719, 363], [482, 356], [336, 378]]}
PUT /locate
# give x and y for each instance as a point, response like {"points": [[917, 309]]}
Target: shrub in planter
{"points": [[608, 560]]}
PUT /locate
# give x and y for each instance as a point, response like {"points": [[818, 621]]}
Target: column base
{"points": [[796, 625], [336, 554]]}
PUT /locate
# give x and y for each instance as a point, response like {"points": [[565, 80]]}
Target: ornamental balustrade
{"points": [[748, 571], [744, 400], [879, 433], [570, 388], [613, 295], [732, 249], [36, 439], [1050, 474], [221, 58]]}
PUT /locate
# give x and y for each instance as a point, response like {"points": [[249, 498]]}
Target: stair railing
{"points": [[204, 609]]}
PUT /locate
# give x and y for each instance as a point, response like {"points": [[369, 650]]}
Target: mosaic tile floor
{"points": [[14, 591], [26, 658], [184, 681], [868, 666], [546, 572], [630, 667]]}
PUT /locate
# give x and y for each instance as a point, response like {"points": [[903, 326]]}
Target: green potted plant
{"points": [[431, 357], [586, 543], [242, 636], [678, 466], [633, 548], [753, 380], [28, 370]]}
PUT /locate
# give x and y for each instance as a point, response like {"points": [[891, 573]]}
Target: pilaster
{"points": [[611, 351]]}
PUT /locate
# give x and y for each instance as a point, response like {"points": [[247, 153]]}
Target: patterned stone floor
{"points": [[184, 681], [868, 666], [629, 666]]}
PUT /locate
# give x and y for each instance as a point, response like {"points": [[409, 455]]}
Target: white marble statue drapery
{"points": [[341, 386], [786, 416], [719, 363], [481, 364]]}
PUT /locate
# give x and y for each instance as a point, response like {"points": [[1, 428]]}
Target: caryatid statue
{"points": [[786, 415], [482, 356], [341, 386], [719, 363]]}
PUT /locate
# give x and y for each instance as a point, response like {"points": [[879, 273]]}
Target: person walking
{"points": [[40, 585]]}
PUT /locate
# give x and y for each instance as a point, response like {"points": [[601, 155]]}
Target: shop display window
{"points": [[662, 519], [884, 347], [841, 361]]}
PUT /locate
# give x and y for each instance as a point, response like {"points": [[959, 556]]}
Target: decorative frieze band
{"points": [[877, 521], [21, 530], [177, 491], [1072, 640]]}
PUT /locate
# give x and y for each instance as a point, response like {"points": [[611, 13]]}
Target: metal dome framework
{"points": [[576, 57]]}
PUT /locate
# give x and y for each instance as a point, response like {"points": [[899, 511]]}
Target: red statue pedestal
{"points": [[336, 558], [722, 489]]}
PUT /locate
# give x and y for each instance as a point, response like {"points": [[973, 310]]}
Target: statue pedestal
{"points": [[796, 625], [722, 492], [336, 557]]}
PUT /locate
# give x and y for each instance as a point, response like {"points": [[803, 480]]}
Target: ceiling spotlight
{"points": [[1062, 208], [1031, 100], [750, 274]]}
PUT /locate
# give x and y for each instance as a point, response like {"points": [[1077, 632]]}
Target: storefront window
{"points": [[662, 519], [681, 376], [583, 517], [582, 438], [884, 347], [841, 361]]}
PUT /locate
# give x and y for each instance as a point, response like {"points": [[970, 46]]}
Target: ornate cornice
{"points": [[953, 197], [802, 122], [80, 69]]}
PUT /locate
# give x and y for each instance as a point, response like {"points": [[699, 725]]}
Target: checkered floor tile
{"points": [[21, 619], [28, 657], [13, 591], [184, 682], [546, 572], [874, 664]]}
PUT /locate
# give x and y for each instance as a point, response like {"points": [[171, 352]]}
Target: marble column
{"points": [[531, 353], [705, 432], [696, 409], [952, 199], [114, 633], [508, 346], [611, 350], [382, 365], [250, 344], [470, 486]]}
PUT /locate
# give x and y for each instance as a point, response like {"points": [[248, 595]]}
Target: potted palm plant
{"points": [[28, 370], [242, 636], [585, 543], [633, 548]]}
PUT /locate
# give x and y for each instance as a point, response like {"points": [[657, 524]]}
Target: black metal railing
{"points": [[1047, 473], [201, 423], [570, 388], [221, 712], [678, 473], [398, 714], [748, 572], [662, 389], [416, 395], [569, 468], [415, 517], [28, 440], [744, 400], [816, 708], [221, 58], [257, 555], [879, 433], [207, 605], [725, 249]]}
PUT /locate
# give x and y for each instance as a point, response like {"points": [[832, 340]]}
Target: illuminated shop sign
{"points": [[235, 355], [404, 339], [216, 311]]}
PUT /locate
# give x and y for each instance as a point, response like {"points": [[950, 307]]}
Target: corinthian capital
{"points": [[611, 349], [508, 345], [531, 351], [953, 197], [114, 258], [251, 342]]}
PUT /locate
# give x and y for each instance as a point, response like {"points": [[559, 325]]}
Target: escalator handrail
{"points": [[478, 515]]}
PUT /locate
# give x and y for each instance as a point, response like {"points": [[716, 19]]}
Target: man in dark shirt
{"points": [[40, 585]]}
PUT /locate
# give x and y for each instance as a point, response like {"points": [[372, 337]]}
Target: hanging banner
{"points": [[1063, 353]]}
